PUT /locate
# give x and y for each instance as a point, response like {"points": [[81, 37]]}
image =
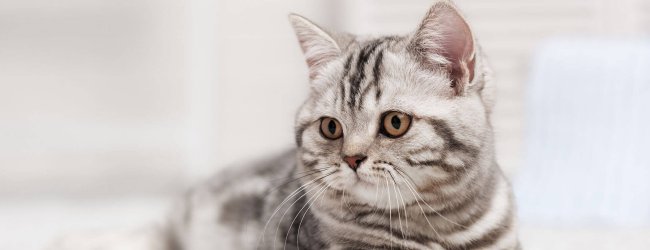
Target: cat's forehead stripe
{"points": [[368, 55], [346, 70], [376, 75], [376, 71], [360, 73]]}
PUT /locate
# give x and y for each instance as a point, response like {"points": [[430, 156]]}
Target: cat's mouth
{"points": [[361, 180], [371, 178]]}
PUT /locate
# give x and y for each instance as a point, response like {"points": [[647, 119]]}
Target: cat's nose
{"points": [[354, 161]]}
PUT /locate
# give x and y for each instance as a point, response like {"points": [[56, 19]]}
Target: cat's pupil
{"points": [[395, 122], [331, 126]]}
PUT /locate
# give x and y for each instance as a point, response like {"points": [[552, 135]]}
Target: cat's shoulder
{"points": [[248, 176], [230, 203], [266, 167]]}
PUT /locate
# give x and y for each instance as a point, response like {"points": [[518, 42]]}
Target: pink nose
{"points": [[354, 161]]}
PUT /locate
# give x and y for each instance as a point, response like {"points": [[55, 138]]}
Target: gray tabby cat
{"points": [[395, 151]]}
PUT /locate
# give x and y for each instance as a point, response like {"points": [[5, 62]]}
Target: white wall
{"points": [[90, 97], [261, 74]]}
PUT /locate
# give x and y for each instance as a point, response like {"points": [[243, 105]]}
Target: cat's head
{"points": [[391, 115]]}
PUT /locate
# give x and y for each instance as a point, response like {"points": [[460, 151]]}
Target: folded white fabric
{"points": [[587, 156]]}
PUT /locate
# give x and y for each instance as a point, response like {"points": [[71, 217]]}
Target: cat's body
{"points": [[242, 210], [395, 151]]}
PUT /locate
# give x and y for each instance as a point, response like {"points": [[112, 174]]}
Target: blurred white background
{"points": [[108, 109]]}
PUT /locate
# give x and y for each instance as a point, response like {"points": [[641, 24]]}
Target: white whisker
{"points": [[390, 211], [286, 237], [303, 216], [294, 202], [291, 195], [418, 203], [436, 212], [398, 195]]}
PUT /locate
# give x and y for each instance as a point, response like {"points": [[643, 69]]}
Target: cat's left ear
{"points": [[444, 39], [318, 45]]}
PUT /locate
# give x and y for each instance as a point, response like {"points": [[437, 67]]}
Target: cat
{"points": [[394, 151]]}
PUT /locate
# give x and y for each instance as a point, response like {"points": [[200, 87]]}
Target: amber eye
{"points": [[330, 128], [395, 124]]}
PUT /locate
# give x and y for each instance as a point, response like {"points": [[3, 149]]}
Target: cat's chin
{"points": [[360, 181], [372, 194], [370, 190], [371, 198]]}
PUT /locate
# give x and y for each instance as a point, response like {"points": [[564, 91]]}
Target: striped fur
{"points": [[437, 187]]}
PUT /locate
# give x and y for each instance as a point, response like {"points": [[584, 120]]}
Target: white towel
{"points": [[587, 156]]}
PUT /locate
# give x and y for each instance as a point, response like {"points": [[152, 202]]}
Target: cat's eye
{"points": [[395, 124], [330, 128]]}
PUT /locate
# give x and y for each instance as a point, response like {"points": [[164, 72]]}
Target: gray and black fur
{"points": [[436, 187]]}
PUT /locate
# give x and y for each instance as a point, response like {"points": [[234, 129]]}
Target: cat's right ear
{"points": [[444, 32], [318, 45]]}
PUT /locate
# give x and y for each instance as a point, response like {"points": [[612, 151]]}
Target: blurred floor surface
{"points": [[32, 225]]}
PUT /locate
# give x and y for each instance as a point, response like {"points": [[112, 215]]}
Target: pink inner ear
{"points": [[444, 32]]}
